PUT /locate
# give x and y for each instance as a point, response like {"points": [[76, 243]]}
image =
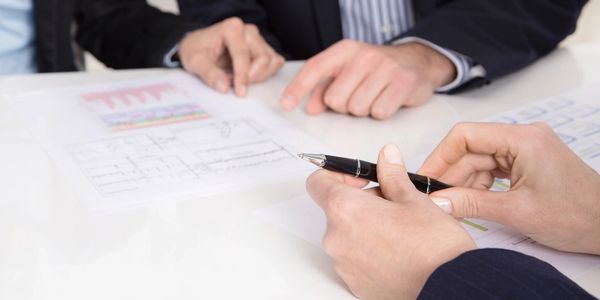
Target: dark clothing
{"points": [[499, 274], [120, 33], [501, 35]]}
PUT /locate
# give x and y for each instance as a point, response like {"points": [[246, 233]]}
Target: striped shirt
{"points": [[380, 21]]}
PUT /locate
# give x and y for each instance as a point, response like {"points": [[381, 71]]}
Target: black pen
{"points": [[367, 170]]}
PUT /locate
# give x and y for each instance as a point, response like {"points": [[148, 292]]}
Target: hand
{"points": [[554, 196], [214, 52], [361, 79], [385, 249]]}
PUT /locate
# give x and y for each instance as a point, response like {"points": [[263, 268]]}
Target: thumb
{"points": [[391, 174], [473, 203]]}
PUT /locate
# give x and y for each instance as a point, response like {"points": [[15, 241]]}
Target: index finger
{"points": [[317, 69], [478, 138], [235, 41]]}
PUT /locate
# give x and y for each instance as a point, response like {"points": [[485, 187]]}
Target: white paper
{"points": [[304, 218], [574, 116], [164, 137]]}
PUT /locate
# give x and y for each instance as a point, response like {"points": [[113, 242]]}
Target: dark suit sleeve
{"points": [[128, 33], [213, 11], [501, 35], [499, 274]]}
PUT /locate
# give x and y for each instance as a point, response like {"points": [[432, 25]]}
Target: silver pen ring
{"points": [[428, 184]]}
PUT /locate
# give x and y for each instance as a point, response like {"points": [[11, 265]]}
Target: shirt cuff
{"points": [[466, 70], [171, 59]]}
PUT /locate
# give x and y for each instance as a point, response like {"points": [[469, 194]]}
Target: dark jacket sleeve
{"points": [[499, 274], [250, 11], [501, 35], [128, 33]]}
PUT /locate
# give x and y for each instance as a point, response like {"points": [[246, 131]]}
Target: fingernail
{"points": [[287, 102], [392, 154], [443, 203], [221, 86]]}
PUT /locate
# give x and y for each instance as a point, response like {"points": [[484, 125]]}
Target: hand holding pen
{"points": [[366, 170], [376, 236]]}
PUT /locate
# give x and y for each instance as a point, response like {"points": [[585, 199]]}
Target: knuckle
{"points": [[340, 210], [540, 133], [406, 78], [335, 203], [380, 113], [330, 99], [470, 205], [279, 60], [313, 180], [303, 84], [261, 58], [370, 54], [461, 128], [541, 129], [251, 28], [542, 126], [335, 105], [346, 43], [233, 23], [358, 109], [312, 64], [195, 61]]}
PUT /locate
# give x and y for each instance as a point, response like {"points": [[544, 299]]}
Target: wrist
{"points": [[454, 248], [439, 69], [183, 46]]}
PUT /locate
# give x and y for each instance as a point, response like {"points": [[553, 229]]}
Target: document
{"points": [[164, 137], [302, 217], [574, 116]]}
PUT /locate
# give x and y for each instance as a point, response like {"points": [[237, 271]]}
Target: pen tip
{"points": [[316, 159]]}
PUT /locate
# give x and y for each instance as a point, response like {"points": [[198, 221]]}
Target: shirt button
{"points": [[387, 28]]}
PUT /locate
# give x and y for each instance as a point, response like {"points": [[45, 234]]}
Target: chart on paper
{"points": [[143, 106], [575, 117], [138, 161], [166, 137]]}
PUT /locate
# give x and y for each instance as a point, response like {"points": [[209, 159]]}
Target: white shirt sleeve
{"points": [[168, 60]]}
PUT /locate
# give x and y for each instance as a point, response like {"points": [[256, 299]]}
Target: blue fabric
{"points": [[17, 37], [499, 274], [376, 21]]}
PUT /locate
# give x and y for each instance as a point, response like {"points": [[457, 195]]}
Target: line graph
{"points": [[114, 99], [143, 106]]}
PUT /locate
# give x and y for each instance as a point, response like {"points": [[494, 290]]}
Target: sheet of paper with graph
{"points": [[164, 137], [575, 117]]}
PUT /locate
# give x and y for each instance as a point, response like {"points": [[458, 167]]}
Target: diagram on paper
{"points": [[576, 123], [143, 106], [178, 155], [162, 138]]}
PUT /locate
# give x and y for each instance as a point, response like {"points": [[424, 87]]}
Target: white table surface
{"points": [[51, 247]]}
